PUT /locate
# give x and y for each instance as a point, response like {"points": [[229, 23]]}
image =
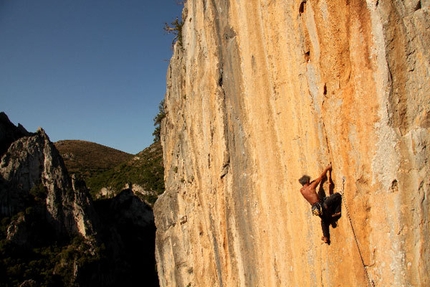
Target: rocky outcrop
{"points": [[261, 92], [52, 233], [9, 132], [33, 164]]}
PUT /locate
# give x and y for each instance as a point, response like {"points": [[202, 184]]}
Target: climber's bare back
{"points": [[309, 193]]}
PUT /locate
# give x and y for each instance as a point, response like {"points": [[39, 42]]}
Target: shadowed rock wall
{"points": [[261, 92]]}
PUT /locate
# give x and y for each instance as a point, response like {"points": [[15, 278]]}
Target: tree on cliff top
{"points": [[175, 28]]}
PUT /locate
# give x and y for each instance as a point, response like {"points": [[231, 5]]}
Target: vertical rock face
{"points": [[261, 92]]}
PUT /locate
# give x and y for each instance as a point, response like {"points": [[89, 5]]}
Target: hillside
{"points": [[108, 171], [143, 173], [88, 159]]}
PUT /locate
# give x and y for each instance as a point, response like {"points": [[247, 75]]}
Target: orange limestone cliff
{"points": [[261, 92]]}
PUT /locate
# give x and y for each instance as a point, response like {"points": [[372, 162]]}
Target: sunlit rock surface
{"points": [[261, 92]]}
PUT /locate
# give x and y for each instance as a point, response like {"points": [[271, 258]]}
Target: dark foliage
{"points": [[88, 159], [157, 121], [175, 28], [122, 255], [145, 169]]}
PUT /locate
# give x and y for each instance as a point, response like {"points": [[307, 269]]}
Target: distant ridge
{"points": [[87, 159], [144, 173]]}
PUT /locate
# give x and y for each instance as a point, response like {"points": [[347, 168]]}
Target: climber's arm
{"points": [[323, 176], [326, 170]]}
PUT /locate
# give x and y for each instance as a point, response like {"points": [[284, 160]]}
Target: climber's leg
{"points": [[333, 204], [325, 229]]}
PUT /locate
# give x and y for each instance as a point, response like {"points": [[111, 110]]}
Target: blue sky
{"points": [[91, 70]]}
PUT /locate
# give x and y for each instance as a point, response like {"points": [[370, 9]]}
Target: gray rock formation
{"points": [[52, 231], [32, 164]]}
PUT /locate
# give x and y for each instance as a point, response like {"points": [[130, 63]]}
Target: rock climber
{"points": [[327, 208]]}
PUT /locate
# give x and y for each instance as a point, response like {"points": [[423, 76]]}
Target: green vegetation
{"points": [[38, 192], [175, 28], [39, 254], [157, 121], [145, 169], [47, 260], [103, 167], [87, 159], [18, 264]]}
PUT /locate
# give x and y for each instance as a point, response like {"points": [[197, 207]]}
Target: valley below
{"points": [[57, 231]]}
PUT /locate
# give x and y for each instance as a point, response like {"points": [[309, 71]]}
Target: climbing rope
{"points": [[371, 283]]}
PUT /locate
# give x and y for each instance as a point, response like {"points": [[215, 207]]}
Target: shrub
{"points": [[157, 121], [175, 28]]}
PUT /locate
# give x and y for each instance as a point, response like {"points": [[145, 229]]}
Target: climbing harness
{"points": [[317, 209], [371, 283]]}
